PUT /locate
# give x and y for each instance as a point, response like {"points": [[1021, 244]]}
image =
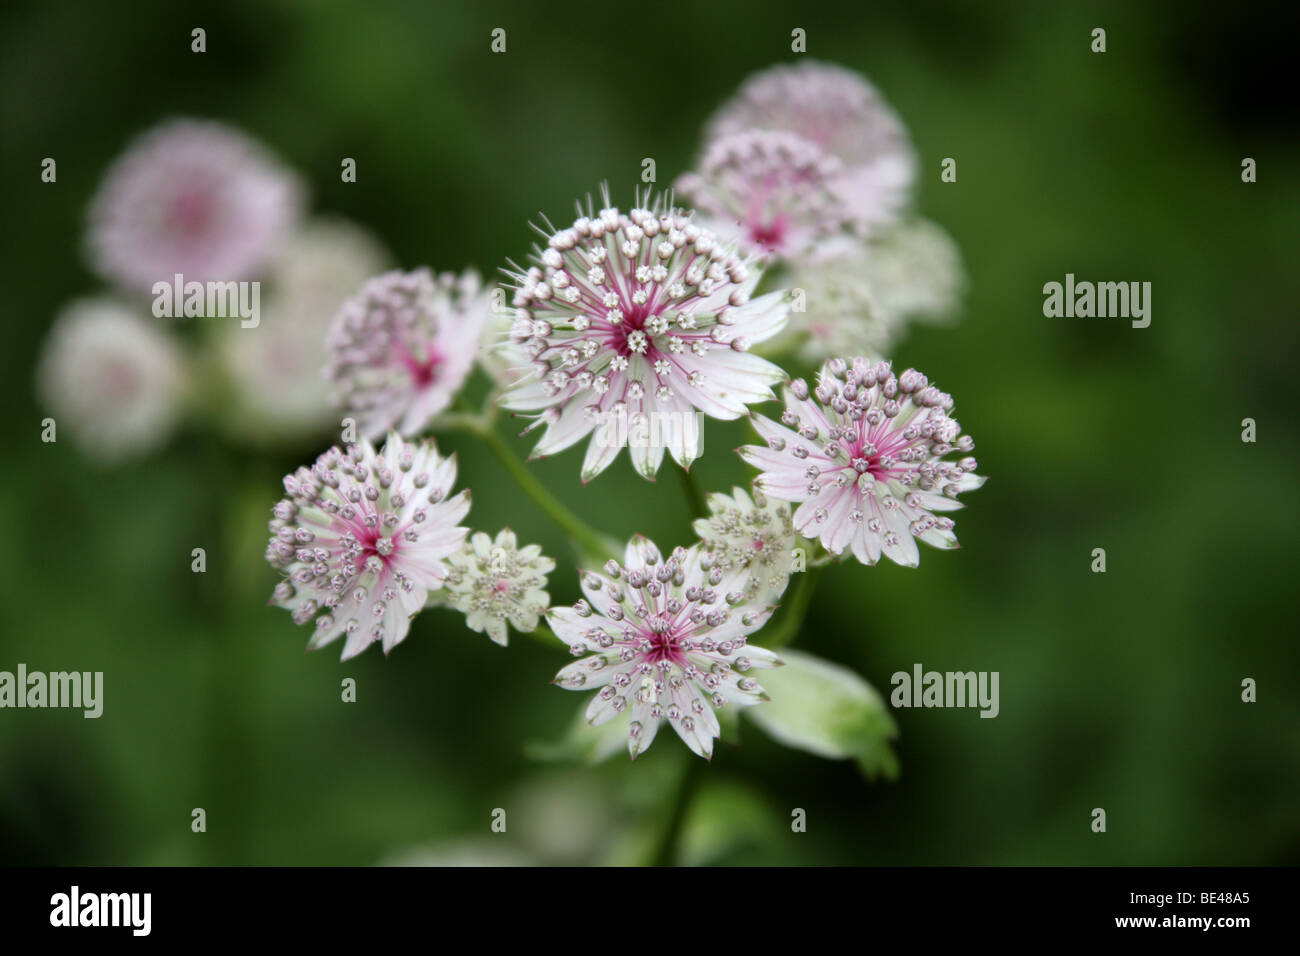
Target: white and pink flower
{"points": [[866, 457], [363, 537], [402, 347], [663, 639], [643, 317]]}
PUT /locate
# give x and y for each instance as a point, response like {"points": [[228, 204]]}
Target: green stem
{"points": [[668, 850], [798, 597], [459, 421], [592, 542], [694, 497]]}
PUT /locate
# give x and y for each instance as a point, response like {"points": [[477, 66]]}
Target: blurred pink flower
{"points": [[112, 378], [774, 192], [191, 197], [838, 110]]}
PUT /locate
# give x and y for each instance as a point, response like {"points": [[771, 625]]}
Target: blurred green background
{"points": [[1119, 690]]}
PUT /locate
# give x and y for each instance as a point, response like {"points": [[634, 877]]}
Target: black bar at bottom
{"points": [[333, 905]]}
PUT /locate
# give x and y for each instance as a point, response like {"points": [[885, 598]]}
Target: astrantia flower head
{"points": [[495, 583], [663, 639], [641, 317], [838, 110], [112, 378], [362, 537], [775, 192], [754, 536], [403, 346], [868, 457], [190, 197]]}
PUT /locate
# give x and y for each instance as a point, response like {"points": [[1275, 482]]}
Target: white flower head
{"points": [[839, 111], [842, 312], [915, 271], [866, 457], [496, 582], [859, 298], [112, 377], [403, 346], [641, 317], [362, 538], [663, 639], [755, 536], [193, 197]]}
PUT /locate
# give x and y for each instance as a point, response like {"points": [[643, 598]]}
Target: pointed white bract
{"points": [[752, 536], [633, 323], [192, 197], [867, 458], [839, 111], [402, 347], [663, 639], [775, 193], [362, 538], [112, 378], [496, 582]]}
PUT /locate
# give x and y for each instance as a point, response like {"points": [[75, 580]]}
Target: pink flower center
{"points": [[375, 543], [767, 226], [423, 372], [634, 319], [117, 380], [884, 441], [769, 235], [665, 645], [191, 212]]}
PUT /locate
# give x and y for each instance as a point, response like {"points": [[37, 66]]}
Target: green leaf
{"points": [[828, 710]]}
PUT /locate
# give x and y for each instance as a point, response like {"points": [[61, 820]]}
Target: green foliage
{"points": [[829, 711]]}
